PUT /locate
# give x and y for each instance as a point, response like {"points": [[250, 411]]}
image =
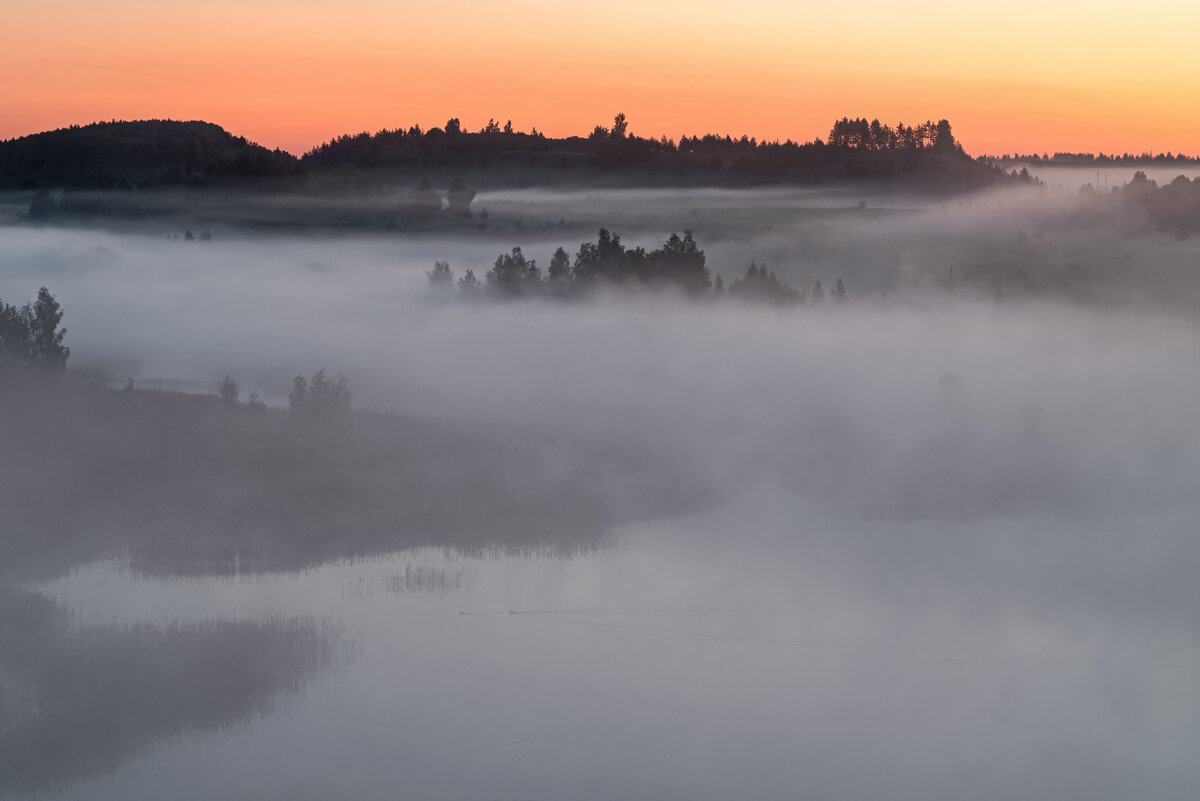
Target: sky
{"points": [[1017, 76]]}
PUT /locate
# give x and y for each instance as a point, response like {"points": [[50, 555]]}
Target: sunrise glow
{"points": [[1016, 76]]}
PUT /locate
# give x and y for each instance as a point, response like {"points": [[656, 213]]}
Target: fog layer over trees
{"points": [[949, 520]]}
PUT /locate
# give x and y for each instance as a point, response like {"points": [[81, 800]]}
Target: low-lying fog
{"points": [[1069, 179], [947, 547]]}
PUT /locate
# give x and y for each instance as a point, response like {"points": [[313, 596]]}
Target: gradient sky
{"points": [[1026, 76]]}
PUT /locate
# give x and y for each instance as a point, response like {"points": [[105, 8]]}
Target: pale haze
{"points": [[934, 542]]}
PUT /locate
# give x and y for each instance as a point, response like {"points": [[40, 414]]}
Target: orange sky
{"points": [[1013, 76]]}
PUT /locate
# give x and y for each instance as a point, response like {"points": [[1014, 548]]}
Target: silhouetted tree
{"points": [[762, 285], [47, 340], [30, 335], [441, 277], [679, 262], [620, 126], [319, 397], [558, 275], [513, 275], [598, 262], [839, 291], [14, 335], [818, 294], [469, 286]]}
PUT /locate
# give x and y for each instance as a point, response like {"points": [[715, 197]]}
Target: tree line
{"points": [[679, 264], [1173, 207], [152, 152], [319, 399], [30, 336], [855, 149], [1061, 159], [416, 145], [858, 134]]}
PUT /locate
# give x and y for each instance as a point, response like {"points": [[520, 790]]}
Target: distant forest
{"points": [[452, 144], [1171, 208], [927, 151], [1091, 159], [116, 155], [607, 264]]}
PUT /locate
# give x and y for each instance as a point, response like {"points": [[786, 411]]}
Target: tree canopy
{"points": [[30, 334], [762, 285], [607, 263], [855, 149], [320, 398], [149, 152]]}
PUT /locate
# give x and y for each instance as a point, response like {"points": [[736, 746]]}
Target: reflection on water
{"points": [[79, 701], [762, 650], [412, 580]]}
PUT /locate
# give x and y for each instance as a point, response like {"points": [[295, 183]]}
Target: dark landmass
{"points": [[142, 153], [192, 484], [179, 176], [924, 157], [78, 702], [146, 154], [184, 175]]}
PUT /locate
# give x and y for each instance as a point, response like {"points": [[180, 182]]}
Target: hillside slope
{"points": [[112, 154]]}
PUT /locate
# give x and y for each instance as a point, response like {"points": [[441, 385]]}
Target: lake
{"points": [[761, 650]]}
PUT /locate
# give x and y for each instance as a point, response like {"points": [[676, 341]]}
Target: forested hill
{"points": [[112, 154], [924, 154]]}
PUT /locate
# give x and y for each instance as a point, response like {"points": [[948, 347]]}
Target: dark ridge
{"points": [[117, 154], [197, 484], [925, 155]]}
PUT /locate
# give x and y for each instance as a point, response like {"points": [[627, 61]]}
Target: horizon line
{"points": [[1010, 154]]}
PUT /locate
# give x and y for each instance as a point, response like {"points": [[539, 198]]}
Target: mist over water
{"points": [[935, 542]]}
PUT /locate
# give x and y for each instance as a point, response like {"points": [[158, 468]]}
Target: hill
{"points": [[115, 154], [922, 157]]}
